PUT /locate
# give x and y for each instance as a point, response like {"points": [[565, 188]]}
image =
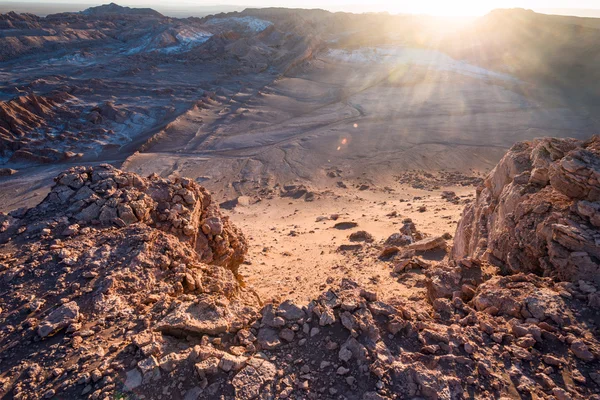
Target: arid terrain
{"points": [[298, 204]]}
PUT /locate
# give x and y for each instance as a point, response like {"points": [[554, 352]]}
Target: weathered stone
{"points": [[581, 350], [247, 383], [195, 318], [432, 243], [59, 319], [290, 311], [398, 240], [170, 362], [287, 334], [210, 366], [327, 317], [133, 380], [542, 224], [268, 338], [230, 362], [361, 236]]}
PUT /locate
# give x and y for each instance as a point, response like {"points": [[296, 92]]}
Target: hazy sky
{"points": [[435, 7], [438, 7]]}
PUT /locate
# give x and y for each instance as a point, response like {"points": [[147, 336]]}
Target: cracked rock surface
{"points": [[538, 211]]}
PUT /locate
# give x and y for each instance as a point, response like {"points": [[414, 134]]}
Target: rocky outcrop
{"points": [[126, 284], [109, 254], [538, 211], [523, 273], [106, 197]]}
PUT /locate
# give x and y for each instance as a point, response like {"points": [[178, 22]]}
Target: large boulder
{"points": [[538, 211]]}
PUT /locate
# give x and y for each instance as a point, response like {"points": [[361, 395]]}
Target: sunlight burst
{"points": [[444, 7]]}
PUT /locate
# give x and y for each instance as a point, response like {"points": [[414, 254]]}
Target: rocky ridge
{"points": [[106, 255], [118, 284], [57, 127]]}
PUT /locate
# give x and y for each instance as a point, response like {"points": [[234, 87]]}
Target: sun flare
{"points": [[429, 7], [444, 8]]}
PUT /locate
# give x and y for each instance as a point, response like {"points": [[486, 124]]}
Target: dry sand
{"points": [[369, 120], [292, 254]]}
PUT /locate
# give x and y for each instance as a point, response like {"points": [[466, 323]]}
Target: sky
{"points": [[432, 7]]}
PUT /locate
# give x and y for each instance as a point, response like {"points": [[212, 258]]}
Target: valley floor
{"points": [[294, 247]]}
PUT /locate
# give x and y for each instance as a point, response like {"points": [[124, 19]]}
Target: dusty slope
{"points": [[295, 247], [549, 49], [364, 113]]}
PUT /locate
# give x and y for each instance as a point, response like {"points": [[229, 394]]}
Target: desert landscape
{"points": [[285, 203]]}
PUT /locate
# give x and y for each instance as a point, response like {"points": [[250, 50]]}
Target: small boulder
{"points": [[59, 319]]}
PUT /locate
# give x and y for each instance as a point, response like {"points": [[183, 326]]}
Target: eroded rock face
{"points": [[522, 278], [23, 121], [104, 196], [523, 274], [522, 296], [538, 211], [110, 257]]}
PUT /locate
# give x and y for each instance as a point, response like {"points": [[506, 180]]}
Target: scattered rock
{"points": [[349, 247], [432, 243], [361, 236], [59, 319], [7, 171], [398, 240], [345, 225]]}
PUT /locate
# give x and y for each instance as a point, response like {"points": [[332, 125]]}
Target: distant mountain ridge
{"points": [[115, 9], [558, 50], [562, 51]]}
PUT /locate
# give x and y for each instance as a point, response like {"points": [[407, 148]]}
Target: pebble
{"points": [[342, 370]]}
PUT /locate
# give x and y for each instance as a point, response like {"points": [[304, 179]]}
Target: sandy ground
{"points": [[362, 117], [292, 253]]}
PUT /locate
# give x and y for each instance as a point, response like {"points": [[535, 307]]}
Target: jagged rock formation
{"points": [[24, 122], [525, 262], [539, 211], [105, 197], [38, 36], [56, 127], [120, 284], [105, 255], [64, 103]]}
